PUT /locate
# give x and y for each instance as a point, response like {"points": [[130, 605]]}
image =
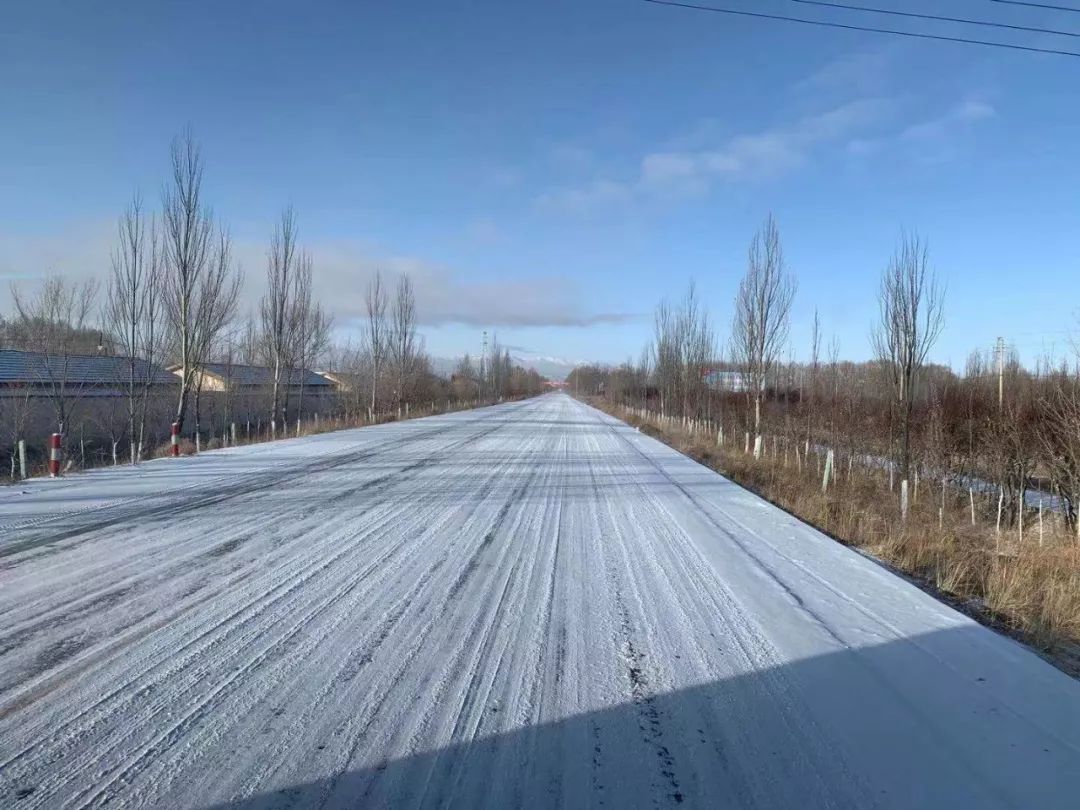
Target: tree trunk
{"points": [[131, 411], [300, 398], [275, 401], [285, 403], [181, 408], [905, 438], [198, 391], [374, 384]]}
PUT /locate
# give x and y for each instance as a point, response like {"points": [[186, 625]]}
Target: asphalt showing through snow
{"points": [[531, 605]]}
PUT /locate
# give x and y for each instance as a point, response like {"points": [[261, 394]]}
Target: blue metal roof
{"points": [[34, 368]]}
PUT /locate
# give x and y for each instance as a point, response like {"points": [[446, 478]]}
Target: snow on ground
{"points": [[526, 605]]}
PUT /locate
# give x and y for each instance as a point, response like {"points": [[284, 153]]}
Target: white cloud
{"points": [[856, 125], [754, 156], [444, 296], [932, 139], [966, 112], [764, 154], [341, 273], [865, 72], [599, 193]]}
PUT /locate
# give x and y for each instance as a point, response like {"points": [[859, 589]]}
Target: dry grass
{"points": [[1030, 590]]}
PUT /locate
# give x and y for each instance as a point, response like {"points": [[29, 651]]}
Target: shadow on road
{"points": [[907, 724]]}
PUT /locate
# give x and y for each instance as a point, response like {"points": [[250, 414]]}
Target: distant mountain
{"points": [[554, 368]]}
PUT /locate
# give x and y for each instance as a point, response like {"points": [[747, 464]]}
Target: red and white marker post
{"points": [[54, 455], [175, 438]]}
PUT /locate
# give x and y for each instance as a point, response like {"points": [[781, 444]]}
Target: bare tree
{"points": [[815, 357], [403, 347], [696, 349], [644, 371], [248, 343], [217, 298], [683, 347], [911, 318], [466, 381], [496, 369], [762, 310], [356, 363], [151, 332], [666, 351], [1059, 437], [131, 310], [200, 285], [377, 333], [54, 323], [15, 410], [311, 326], [278, 308]]}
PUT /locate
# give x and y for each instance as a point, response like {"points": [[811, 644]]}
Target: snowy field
{"points": [[531, 605]]}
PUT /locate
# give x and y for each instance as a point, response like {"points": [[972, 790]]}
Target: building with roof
{"points": [[235, 392], [87, 392], [37, 373], [343, 380], [724, 380], [236, 377]]}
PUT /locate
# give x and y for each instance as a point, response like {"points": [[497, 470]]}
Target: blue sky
{"points": [[550, 170]]}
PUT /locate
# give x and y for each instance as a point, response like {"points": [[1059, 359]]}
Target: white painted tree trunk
{"points": [[1001, 502], [1020, 514], [828, 472]]}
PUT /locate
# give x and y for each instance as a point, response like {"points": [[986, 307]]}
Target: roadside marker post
{"points": [[22, 459], [828, 472], [174, 438], [54, 455]]}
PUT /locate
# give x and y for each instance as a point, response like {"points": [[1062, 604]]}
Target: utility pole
{"points": [[1000, 351]]}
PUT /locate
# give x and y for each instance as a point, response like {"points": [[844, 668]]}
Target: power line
{"points": [[937, 18], [1073, 9], [870, 29]]}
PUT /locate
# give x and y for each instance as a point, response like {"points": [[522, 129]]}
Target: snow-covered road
{"points": [[527, 605]]}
